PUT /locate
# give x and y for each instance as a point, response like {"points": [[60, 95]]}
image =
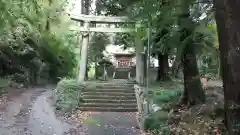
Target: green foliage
{"points": [[126, 39], [67, 95], [165, 97], [33, 41], [157, 122], [91, 73], [50, 58], [22, 78], [114, 7], [97, 45], [59, 56], [21, 18], [209, 66], [4, 83]]}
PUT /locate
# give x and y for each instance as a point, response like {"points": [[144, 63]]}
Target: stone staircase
{"points": [[110, 97], [121, 74]]}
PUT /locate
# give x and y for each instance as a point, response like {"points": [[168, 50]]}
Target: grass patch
{"points": [[166, 86]]}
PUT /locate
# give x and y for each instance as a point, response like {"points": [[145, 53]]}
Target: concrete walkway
{"points": [[30, 113]]}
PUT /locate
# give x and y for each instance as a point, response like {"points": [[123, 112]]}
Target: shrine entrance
{"points": [[85, 30]]}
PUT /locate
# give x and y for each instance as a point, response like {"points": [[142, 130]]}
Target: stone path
{"points": [[108, 123], [30, 113]]}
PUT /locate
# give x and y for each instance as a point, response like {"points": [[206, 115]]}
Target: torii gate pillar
{"points": [[84, 53], [139, 60]]}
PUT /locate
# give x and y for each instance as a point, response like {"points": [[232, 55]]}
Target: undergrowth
{"points": [[171, 119], [67, 95], [4, 84], [165, 98]]}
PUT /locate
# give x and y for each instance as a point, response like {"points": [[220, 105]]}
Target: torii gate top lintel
{"points": [[100, 19]]}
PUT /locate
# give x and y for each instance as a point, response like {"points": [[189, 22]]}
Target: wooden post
{"points": [[84, 50]]}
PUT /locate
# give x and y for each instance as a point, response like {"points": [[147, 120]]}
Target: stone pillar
{"points": [[84, 53], [139, 60]]}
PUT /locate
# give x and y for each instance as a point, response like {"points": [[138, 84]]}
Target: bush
{"points": [[157, 122], [166, 97], [67, 95], [59, 56], [4, 83], [45, 57]]}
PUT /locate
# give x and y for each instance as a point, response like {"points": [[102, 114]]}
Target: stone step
{"points": [[108, 109], [110, 101], [108, 93], [109, 90], [112, 105], [114, 87], [119, 97], [116, 84]]}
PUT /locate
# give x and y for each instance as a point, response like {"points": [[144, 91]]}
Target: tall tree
{"points": [[193, 91], [228, 25], [162, 52]]}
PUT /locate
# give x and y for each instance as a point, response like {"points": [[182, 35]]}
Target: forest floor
{"points": [[30, 112], [202, 119]]}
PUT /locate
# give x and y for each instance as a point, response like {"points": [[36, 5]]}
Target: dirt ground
{"points": [[204, 119]]}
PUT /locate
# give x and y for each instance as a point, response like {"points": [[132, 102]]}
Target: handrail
{"points": [[143, 102]]}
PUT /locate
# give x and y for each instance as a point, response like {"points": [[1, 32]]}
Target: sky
{"points": [[75, 6]]}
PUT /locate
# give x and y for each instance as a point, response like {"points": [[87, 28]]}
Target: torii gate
{"points": [[86, 29]]}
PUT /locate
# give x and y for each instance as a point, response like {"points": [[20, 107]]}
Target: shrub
{"points": [[59, 56], [4, 83], [166, 97], [46, 57], [157, 122], [67, 95]]}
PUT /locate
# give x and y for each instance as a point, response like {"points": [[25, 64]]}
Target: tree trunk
{"points": [[85, 7], [228, 25], [175, 69], [193, 91], [163, 67]]}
